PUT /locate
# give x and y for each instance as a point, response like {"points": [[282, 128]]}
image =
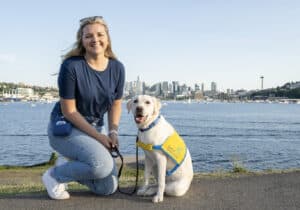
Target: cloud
{"points": [[7, 58]]}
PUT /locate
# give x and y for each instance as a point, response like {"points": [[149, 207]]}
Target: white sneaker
{"points": [[55, 190], [60, 161]]}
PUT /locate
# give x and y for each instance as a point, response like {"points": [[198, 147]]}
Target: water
{"points": [[259, 136]]}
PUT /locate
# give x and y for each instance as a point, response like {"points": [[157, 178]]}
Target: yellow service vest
{"points": [[173, 146]]}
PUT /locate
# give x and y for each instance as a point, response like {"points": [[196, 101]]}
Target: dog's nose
{"points": [[139, 109]]}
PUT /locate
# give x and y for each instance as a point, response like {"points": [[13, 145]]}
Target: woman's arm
{"points": [[114, 115], [68, 107]]}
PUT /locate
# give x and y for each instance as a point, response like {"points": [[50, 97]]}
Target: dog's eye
{"points": [[147, 102], [135, 101]]}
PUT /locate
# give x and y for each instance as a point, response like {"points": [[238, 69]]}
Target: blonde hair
{"points": [[78, 49]]}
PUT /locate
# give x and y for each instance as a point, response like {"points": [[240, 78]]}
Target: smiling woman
{"points": [[78, 48], [94, 39], [91, 82]]}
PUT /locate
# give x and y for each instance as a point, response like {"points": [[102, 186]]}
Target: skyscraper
{"points": [[175, 87], [197, 87], [213, 87], [139, 86]]}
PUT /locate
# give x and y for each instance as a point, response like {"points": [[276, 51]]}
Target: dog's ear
{"points": [[157, 105], [129, 105]]}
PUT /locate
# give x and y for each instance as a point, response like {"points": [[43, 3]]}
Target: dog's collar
{"points": [[151, 125]]}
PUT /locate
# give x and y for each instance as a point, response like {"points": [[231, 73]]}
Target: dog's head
{"points": [[144, 108]]}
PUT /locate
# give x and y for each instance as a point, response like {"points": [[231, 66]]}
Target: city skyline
{"points": [[202, 85], [232, 43], [288, 93]]}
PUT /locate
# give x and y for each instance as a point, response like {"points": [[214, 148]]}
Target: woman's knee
{"points": [[106, 186], [101, 169]]}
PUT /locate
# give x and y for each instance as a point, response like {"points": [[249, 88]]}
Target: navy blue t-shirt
{"points": [[94, 91]]}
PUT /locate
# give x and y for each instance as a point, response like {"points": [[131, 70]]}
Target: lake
{"points": [[259, 136]]}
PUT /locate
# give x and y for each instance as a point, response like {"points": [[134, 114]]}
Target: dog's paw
{"points": [[158, 198]]}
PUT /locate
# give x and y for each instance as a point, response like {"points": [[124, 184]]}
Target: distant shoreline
{"points": [[165, 101]]}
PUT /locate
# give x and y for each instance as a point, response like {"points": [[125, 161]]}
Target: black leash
{"points": [[116, 153]]}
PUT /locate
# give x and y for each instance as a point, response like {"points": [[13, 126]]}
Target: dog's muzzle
{"points": [[139, 115]]}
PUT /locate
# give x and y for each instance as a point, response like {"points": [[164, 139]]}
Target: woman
{"points": [[91, 82]]}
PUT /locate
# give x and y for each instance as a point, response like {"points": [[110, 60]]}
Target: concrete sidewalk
{"points": [[261, 192]]}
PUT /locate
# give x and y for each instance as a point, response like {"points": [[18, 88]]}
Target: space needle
{"points": [[262, 82]]}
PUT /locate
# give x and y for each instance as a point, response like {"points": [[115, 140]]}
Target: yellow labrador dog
{"points": [[166, 155]]}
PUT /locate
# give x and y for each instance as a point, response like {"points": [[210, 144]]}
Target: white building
{"points": [[139, 87], [213, 87], [24, 92]]}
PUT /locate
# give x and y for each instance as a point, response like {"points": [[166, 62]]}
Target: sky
{"points": [[230, 42]]}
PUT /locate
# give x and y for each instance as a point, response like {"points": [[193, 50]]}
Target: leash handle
{"points": [[115, 152]]}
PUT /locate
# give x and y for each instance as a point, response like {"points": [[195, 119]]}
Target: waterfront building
{"points": [[134, 88], [139, 87], [202, 87], [213, 87], [24, 92], [230, 91], [165, 88], [197, 87], [155, 90], [175, 87]]}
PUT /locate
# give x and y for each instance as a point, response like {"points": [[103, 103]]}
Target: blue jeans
{"points": [[90, 164]]}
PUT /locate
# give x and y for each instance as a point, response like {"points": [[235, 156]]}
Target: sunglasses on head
{"points": [[92, 18]]}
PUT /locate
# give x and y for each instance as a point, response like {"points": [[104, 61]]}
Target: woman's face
{"points": [[94, 39]]}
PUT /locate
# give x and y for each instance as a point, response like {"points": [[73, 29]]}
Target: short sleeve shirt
{"points": [[94, 91]]}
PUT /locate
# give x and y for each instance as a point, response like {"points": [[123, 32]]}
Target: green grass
{"points": [[44, 165], [25, 186], [238, 167], [23, 168], [19, 180]]}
